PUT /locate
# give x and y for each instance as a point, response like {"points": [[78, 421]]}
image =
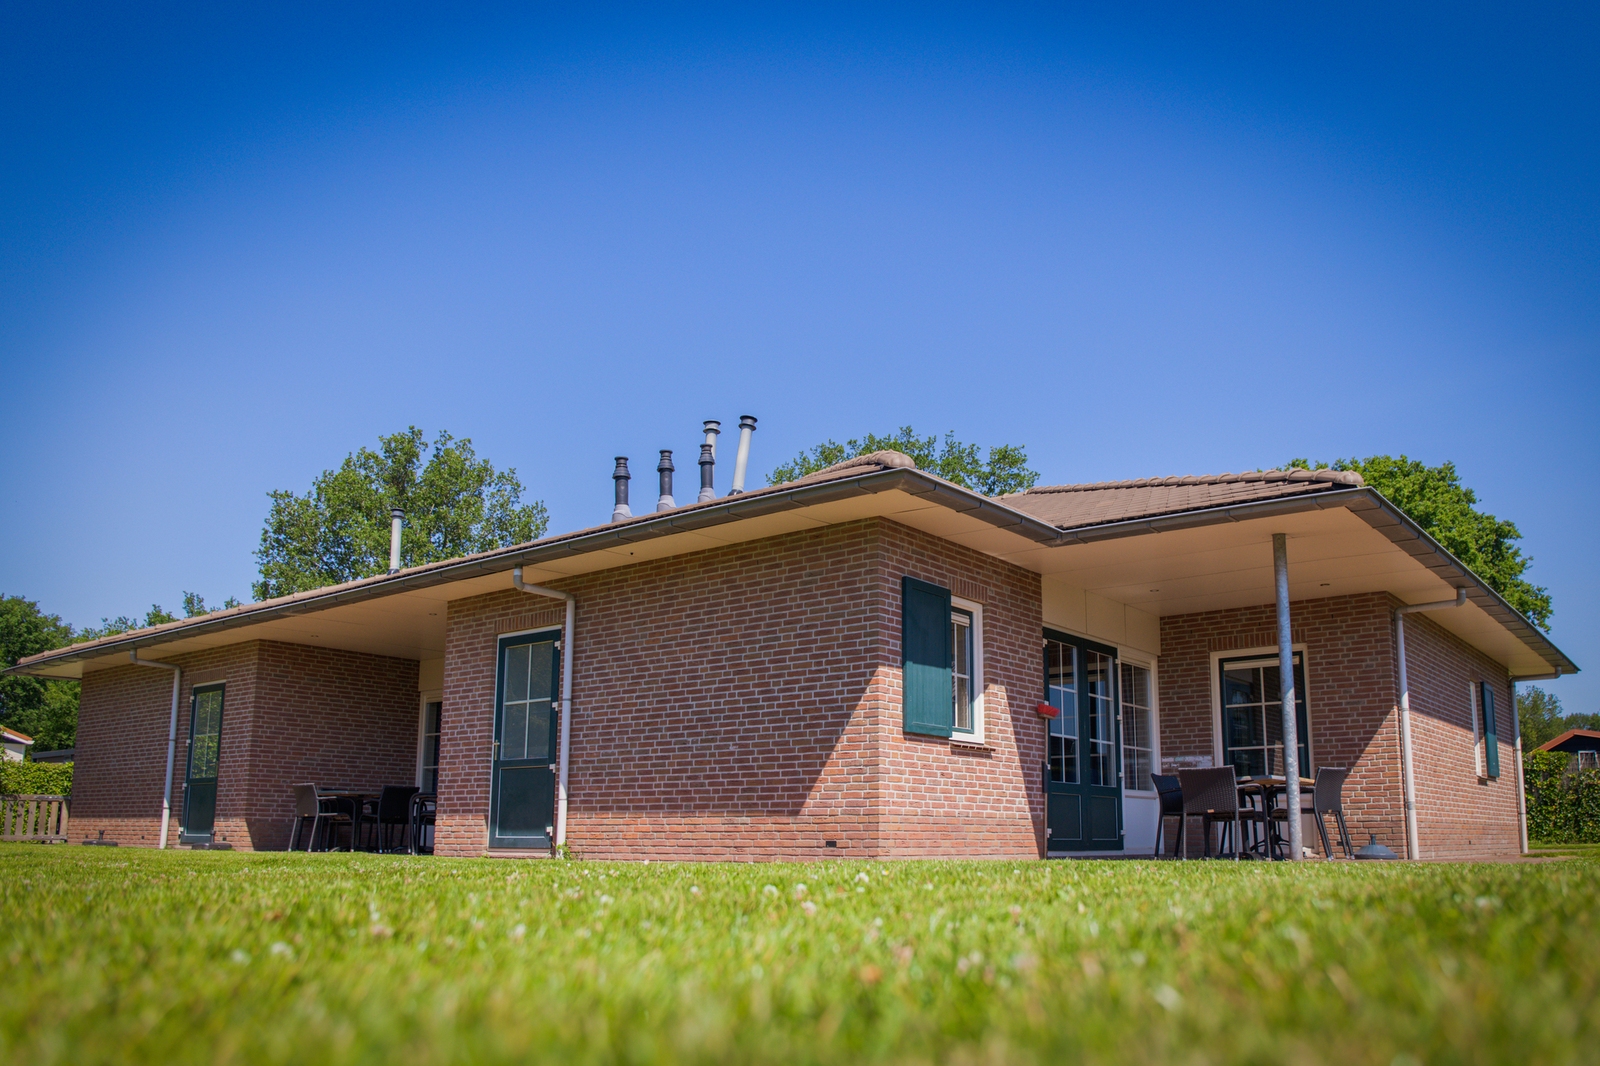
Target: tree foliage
{"points": [[1435, 499], [454, 504], [1541, 719], [45, 710], [1005, 470]]}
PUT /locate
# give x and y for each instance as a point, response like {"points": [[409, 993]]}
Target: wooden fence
{"points": [[42, 819]]}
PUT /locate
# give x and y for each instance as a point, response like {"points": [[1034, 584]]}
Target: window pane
{"points": [[538, 730], [517, 673], [961, 682], [514, 731], [963, 699], [541, 672]]}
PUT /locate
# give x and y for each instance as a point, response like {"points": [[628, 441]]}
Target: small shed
{"points": [[1582, 743], [14, 745]]}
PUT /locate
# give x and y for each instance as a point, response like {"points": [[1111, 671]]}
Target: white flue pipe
{"points": [[1408, 775], [562, 758], [741, 461], [172, 736], [396, 524]]}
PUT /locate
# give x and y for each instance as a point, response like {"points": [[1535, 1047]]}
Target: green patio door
{"points": [[522, 802], [200, 777], [1083, 757]]}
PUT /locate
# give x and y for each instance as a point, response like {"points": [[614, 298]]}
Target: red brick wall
{"points": [[291, 713], [1459, 814], [1350, 696], [1352, 683], [943, 799], [743, 703]]}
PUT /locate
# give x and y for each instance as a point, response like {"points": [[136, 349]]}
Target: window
{"points": [[1138, 743], [1252, 715], [1061, 682], [1491, 741], [962, 666], [1099, 680], [432, 719]]}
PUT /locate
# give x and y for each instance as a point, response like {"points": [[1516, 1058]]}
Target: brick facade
{"points": [[291, 714], [743, 703], [1352, 698]]}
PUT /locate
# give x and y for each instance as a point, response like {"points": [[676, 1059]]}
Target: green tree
{"points": [[45, 710], [1541, 719], [454, 504], [1435, 499], [1005, 470]]}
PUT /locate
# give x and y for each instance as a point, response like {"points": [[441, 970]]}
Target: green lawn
{"points": [[135, 956]]}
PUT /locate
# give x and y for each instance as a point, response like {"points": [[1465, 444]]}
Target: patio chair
{"points": [[309, 803], [1213, 797], [424, 808], [1327, 797], [1170, 796], [393, 817]]}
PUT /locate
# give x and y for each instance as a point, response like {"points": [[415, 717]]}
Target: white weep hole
{"points": [[1407, 773], [172, 736], [747, 426], [397, 519], [566, 695]]}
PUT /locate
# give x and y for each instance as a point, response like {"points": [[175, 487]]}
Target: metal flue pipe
{"points": [[1407, 770], [397, 519], [664, 469], [708, 463], [1291, 722], [172, 736], [747, 426], [621, 476]]}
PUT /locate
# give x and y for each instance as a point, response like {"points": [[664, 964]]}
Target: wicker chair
{"points": [[1213, 797], [1327, 797], [393, 824], [1170, 795], [323, 812]]}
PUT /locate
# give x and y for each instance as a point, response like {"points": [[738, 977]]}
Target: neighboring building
{"points": [[14, 745], [1582, 744], [61, 755], [854, 664]]}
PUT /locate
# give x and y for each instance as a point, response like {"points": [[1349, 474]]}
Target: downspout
{"points": [[1516, 732], [172, 735], [1407, 772], [566, 695]]}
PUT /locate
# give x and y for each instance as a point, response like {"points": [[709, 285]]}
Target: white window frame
{"points": [[1479, 765], [1123, 658], [976, 737], [1270, 651], [422, 728]]}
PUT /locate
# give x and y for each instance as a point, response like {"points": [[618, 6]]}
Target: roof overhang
{"points": [[1343, 541]]}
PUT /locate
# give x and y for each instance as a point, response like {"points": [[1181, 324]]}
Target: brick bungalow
{"points": [[852, 664]]}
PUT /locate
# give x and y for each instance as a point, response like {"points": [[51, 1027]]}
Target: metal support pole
{"points": [[172, 737], [1291, 725]]}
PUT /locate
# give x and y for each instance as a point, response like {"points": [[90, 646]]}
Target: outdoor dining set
{"points": [[399, 818], [1234, 804]]}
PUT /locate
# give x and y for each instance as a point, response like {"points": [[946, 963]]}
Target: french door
{"points": [[1083, 756], [200, 775], [523, 789]]}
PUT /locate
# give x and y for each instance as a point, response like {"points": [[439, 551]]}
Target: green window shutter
{"points": [[1491, 743], [926, 703]]}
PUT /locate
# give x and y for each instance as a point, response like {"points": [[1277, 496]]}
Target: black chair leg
{"points": [[1322, 831], [1344, 835]]}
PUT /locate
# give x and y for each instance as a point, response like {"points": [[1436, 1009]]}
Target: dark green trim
{"points": [[926, 704]]}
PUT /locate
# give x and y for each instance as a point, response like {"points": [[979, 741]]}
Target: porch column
{"points": [[1291, 727]]}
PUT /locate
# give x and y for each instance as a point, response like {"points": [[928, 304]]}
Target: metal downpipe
{"points": [[1407, 766]]}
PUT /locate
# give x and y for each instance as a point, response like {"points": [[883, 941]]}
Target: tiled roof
{"points": [[1551, 745], [12, 734], [1076, 506]]}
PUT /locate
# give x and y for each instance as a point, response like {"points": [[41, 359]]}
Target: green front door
{"points": [[522, 801], [1083, 757], [200, 778]]}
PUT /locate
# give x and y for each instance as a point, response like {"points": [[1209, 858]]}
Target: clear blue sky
{"points": [[237, 244]]}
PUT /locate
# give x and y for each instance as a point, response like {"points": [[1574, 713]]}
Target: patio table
{"points": [[355, 800], [1268, 787]]}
